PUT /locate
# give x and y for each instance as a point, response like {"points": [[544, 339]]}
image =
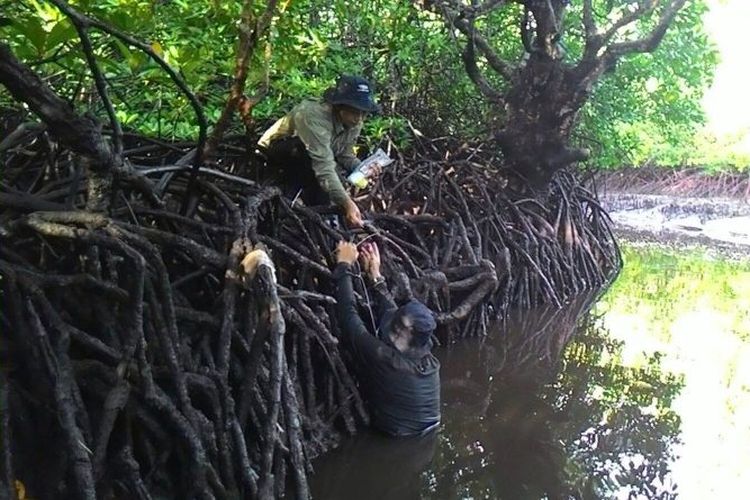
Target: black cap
{"points": [[352, 91]]}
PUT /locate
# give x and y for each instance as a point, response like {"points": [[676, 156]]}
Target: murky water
{"points": [[645, 395]]}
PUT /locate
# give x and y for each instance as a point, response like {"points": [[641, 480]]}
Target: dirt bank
{"points": [[721, 225]]}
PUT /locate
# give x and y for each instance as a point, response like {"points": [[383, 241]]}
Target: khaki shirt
{"points": [[328, 142]]}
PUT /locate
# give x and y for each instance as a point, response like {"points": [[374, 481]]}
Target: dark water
{"points": [[582, 402]]}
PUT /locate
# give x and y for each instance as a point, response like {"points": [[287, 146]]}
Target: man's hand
{"points": [[375, 171], [352, 214], [371, 260], [346, 252]]}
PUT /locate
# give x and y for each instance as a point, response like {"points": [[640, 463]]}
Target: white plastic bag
{"points": [[361, 174]]}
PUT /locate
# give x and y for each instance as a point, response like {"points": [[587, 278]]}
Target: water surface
{"points": [[644, 395]]}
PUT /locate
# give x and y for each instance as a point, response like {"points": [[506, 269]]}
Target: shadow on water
{"points": [[541, 409]]}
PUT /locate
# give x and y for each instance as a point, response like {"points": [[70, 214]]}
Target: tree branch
{"points": [[526, 37], [597, 58], [483, 8], [176, 78], [594, 39], [472, 11], [8, 474], [454, 14], [79, 133], [547, 27], [588, 19], [503, 68], [649, 43], [250, 32], [462, 18], [638, 12], [470, 62], [101, 84]]}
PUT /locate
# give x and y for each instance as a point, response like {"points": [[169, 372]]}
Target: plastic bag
{"points": [[360, 176]]}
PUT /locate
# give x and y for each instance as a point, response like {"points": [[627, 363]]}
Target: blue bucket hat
{"points": [[352, 91]]}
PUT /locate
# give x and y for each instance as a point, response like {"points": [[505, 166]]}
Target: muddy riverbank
{"points": [[722, 225]]}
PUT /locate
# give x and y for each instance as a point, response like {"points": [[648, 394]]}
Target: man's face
{"points": [[350, 117]]}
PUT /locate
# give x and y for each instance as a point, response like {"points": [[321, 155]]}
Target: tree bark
{"points": [[541, 109], [251, 31]]}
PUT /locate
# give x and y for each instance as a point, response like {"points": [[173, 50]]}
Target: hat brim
{"points": [[366, 106]]}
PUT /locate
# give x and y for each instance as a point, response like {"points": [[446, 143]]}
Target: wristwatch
{"points": [[377, 281]]}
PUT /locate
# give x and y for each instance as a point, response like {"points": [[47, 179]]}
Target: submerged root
{"points": [[155, 352]]}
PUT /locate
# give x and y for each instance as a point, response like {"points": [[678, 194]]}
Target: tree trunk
{"points": [[541, 108], [544, 94]]}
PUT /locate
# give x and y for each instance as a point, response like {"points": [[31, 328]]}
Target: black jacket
{"points": [[402, 389]]}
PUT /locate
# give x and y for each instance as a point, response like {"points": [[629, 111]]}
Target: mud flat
{"points": [[720, 224]]}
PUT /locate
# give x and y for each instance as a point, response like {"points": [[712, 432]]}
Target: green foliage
{"points": [[725, 154], [647, 110]]}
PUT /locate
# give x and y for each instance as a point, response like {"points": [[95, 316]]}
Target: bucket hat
{"points": [[352, 91]]}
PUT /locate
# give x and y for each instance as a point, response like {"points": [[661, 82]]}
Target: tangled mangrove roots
{"points": [[151, 349], [686, 181], [147, 353], [545, 246]]}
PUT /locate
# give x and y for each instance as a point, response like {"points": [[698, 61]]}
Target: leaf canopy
{"points": [[646, 110]]}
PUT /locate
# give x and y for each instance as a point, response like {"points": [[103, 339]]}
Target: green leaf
{"points": [[34, 32], [62, 32]]}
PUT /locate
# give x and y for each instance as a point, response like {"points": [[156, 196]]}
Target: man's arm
{"points": [[384, 302], [371, 261], [316, 135], [363, 345], [347, 158], [280, 128], [350, 323]]}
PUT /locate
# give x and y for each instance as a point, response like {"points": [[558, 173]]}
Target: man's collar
{"points": [[338, 127], [418, 352]]}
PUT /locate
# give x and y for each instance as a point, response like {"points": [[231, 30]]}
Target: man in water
{"points": [[399, 375], [305, 146]]}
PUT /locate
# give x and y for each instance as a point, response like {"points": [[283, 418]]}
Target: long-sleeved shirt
{"points": [[402, 390], [327, 141]]}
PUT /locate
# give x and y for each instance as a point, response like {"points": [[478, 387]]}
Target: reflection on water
{"points": [[374, 466], [695, 311], [575, 403]]}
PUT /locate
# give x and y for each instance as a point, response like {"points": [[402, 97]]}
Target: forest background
{"points": [[648, 110]]}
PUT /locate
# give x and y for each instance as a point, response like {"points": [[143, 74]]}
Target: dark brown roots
{"points": [[140, 361], [688, 181]]}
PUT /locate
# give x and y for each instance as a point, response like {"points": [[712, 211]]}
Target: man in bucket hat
{"points": [[305, 146], [398, 373]]}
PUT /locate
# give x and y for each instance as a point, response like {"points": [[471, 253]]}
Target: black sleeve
{"points": [[384, 302], [353, 331]]}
